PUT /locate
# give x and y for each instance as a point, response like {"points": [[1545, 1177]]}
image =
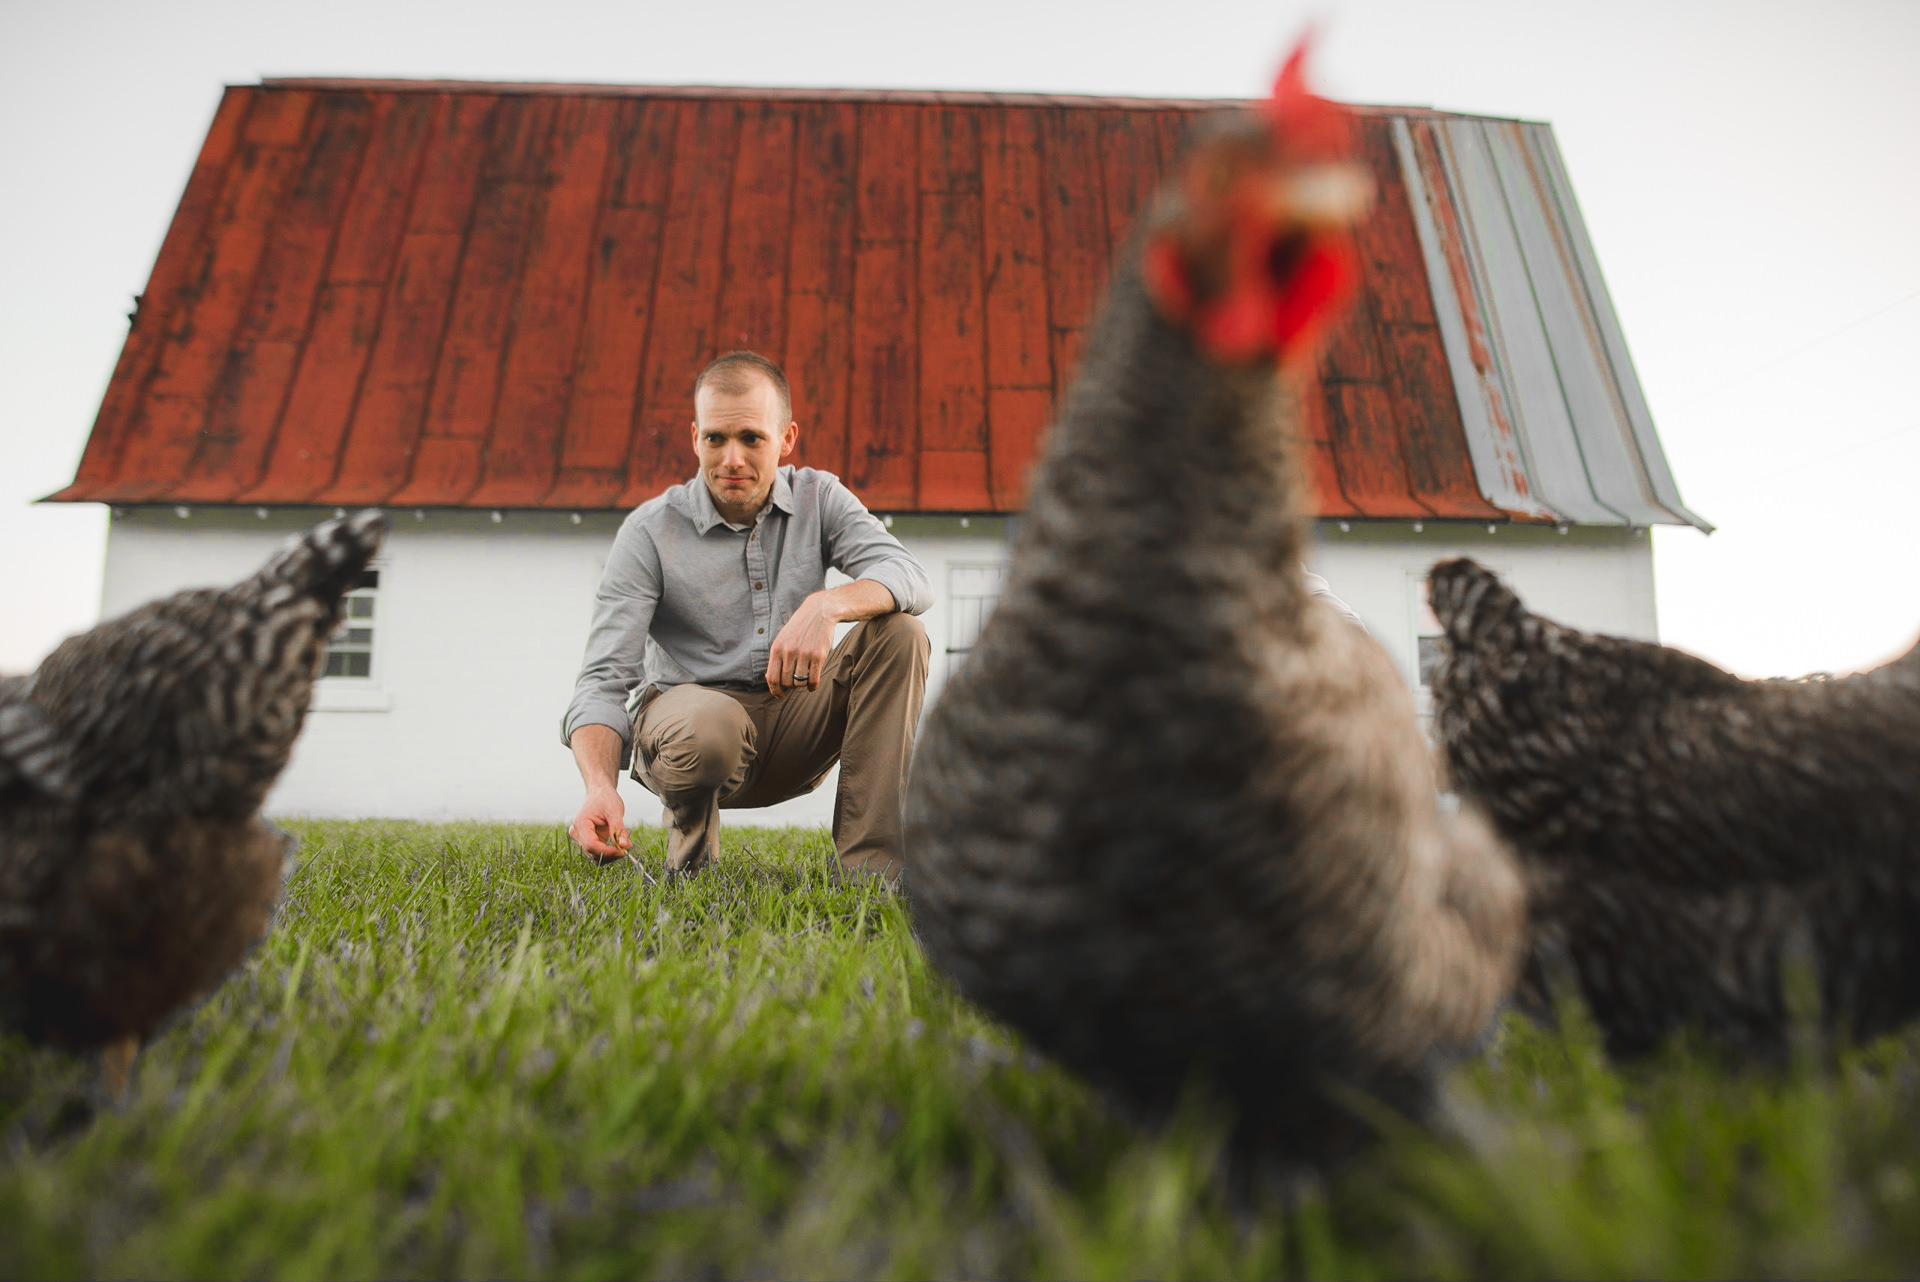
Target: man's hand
{"points": [[600, 827], [799, 653], [800, 650]]}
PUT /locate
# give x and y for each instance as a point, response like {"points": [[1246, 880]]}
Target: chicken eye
{"points": [[1286, 255]]}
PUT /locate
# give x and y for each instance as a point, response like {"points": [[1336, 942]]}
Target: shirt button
{"points": [[756, 587], [761, 631]]}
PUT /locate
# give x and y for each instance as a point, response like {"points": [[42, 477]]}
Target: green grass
{"points": [[463, 1051]]}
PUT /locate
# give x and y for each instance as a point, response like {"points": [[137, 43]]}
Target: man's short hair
{"points": [[735, 372]]}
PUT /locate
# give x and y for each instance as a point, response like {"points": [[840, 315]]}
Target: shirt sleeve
{"points": [[617, 643], [860, 547], [1320, 588]]}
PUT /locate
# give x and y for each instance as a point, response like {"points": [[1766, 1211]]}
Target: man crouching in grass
{"points": [[711, 664]]}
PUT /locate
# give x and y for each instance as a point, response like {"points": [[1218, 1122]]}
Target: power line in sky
{"points": [[1790, 354], [1820, 460]]}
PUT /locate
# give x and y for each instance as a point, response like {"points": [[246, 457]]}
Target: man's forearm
{"points": [[860, 599], [601, 825], [596, 750]]}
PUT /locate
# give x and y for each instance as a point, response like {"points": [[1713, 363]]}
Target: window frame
{"points": [[957, 654], [361, 591]]}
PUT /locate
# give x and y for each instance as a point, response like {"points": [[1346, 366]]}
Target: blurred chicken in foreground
{"points": [[135, 871], [1173, 819], [1690, 837]]}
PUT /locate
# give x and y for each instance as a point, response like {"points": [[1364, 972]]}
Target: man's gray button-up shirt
{"points": [[688, 598]]}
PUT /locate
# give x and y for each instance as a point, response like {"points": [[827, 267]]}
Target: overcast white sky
{"points": [[1750, 173]]}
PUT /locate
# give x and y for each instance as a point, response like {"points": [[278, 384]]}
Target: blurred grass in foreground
{"points": [[463, 1051]]}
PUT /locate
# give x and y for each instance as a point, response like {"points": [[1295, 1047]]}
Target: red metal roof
{"points": [[426, 294]]}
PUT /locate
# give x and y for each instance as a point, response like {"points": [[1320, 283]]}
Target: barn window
{"points": [[972, 592], [1433, 649], [1429, 638], [350, 648]]}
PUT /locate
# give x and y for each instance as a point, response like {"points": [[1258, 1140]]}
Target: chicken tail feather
{"points": [[1468, 599], [325, 561]]}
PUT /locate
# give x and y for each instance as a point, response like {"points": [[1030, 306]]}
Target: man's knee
{"points": [[702, 741], [898, 631]]}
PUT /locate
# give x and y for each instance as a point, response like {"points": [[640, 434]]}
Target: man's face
{"points": [[740, 438]]}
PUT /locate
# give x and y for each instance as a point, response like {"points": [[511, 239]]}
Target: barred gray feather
{"points": [[135, 871], [34, 761], [1682, 827]]}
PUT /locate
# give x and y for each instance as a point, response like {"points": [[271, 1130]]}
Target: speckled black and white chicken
{"points": [[1174, 819], [1684, 830], [135, 871]]}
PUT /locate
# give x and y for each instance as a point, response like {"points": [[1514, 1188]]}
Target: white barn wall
{"points": [[480, 625], [1598, 578], [478, 632]]}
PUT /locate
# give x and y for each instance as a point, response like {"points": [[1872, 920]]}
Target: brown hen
{"points": [[1689, 837], [135, 871], [1173, 819]]}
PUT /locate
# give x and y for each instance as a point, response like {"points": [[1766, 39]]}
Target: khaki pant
{"points": [[699, 748]]}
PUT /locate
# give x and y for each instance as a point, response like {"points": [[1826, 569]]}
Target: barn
{"points": [[480, 307]]}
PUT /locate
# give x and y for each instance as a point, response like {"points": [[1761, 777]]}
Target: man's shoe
{"points": [[692, 866], [893, 879]]}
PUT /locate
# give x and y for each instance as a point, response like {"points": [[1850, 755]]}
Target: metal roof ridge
{"points": [[817, 93], [1436, 113], [797, 93]]}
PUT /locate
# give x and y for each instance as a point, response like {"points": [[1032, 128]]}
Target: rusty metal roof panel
{"points": [[443, 294], [1493, 442], [1547, 397], [745, 93], [1516, 330]]}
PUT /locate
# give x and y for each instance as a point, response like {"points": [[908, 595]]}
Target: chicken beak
{"points": [[1329, 197]]}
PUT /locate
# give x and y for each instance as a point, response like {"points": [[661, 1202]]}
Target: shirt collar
{"points": [[704, 515], [782, 496]]}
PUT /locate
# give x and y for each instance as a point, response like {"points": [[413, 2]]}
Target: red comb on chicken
{"points": [[1251, 251]]}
